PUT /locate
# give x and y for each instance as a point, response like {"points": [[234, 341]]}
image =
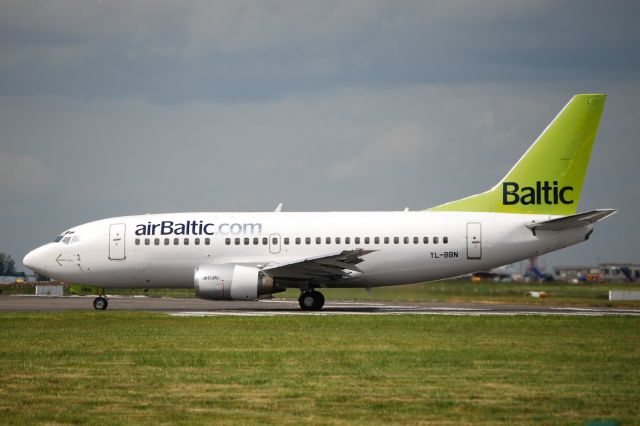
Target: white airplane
{"points": [[242, 256]]}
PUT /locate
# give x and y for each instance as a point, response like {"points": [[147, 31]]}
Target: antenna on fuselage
{"points": [[278, 208]]}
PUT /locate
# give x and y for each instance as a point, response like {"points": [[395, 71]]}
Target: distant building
{"points": [[605, 272], [10, 279], [580, 273], [613, 271]]}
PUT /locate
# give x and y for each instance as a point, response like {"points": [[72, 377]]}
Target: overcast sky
{"points": [[116, 108]]}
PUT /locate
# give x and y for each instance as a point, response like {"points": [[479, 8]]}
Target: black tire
{"points": [[311, 301], [100, 303], [306, 301], [318, 300]]}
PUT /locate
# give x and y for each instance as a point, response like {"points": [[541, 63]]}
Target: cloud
{"points": [[22, 176], [236, 51], [393, 149]]}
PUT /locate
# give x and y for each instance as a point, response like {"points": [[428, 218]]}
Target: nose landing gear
{"points": [[311, 300], [100, 303]]}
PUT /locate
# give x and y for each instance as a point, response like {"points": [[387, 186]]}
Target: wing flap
{"points": [[335, 265], [572, 221]]}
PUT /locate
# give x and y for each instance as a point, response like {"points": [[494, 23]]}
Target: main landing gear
{"points": [[311, 300]]}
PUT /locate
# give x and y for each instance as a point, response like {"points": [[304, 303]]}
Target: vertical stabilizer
{"points": [[548, 178]]}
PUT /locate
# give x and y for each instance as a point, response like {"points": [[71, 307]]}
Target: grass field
{"points": [[123, 367]]}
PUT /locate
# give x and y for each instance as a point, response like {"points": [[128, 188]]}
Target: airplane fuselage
{"points": [[162, 250]]}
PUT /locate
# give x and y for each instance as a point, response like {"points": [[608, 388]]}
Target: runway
{"points": [[272, 307]]}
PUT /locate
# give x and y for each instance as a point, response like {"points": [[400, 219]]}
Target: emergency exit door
{"points": [[116, 241], [474, 240], [274, 243]]}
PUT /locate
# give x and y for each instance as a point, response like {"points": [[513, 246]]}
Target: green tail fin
{"points": [[548, 178]]}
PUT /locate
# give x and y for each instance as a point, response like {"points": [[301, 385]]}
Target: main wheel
{"points": [[311, 301], [100, 303]]}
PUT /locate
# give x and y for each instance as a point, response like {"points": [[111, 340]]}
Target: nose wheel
{"points": [[311, 300], [100, 303]]}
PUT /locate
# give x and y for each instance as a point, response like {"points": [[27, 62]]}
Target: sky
{"points": [[131, 107]]}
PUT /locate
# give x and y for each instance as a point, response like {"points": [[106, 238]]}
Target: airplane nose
{"points": [[29, 259], [34, 260]]}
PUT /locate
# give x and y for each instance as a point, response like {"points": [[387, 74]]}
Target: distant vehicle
{"points": [[241, 256]]}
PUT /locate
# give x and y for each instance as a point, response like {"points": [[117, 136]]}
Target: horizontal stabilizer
{"points": [[573, 221]]}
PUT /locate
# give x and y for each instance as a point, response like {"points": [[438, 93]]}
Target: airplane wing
{"points": [[572, 221], [331, 266]]}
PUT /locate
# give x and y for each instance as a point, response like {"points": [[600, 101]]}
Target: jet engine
{"points": [[231, 282]]}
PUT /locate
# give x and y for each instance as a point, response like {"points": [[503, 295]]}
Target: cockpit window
{"points": [[63, 237], [75, 239]]}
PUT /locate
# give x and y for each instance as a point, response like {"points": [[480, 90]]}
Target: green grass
{"points": [[123, 367]]}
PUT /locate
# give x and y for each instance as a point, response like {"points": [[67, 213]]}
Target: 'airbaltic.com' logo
{"points": [[542, 193]]}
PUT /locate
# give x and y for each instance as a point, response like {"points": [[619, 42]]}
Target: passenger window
{"points": [[166, 241], [197, 241], [425, 240], [246, 241], [307, 240], [146, 241], [357, 240], [274, 241], [286, 241], [337, 240], [406, 240], [256, 241], [176, 241], [386, 240], [347, 240], [318, 240], [156, 241], [445, 240], [237, 241], [298, 240], [435, 240], [396, 240], [227, 241], [416, 240], [376, 240], [367, 240], [265, 241], [137, 241], [207, 241], [186, 241], [328, 240]]}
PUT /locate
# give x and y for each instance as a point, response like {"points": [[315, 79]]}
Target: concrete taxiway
{"points": [[270, 307]]}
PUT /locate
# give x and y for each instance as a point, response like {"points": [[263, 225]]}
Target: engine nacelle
{"points": [[231, 282]]}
